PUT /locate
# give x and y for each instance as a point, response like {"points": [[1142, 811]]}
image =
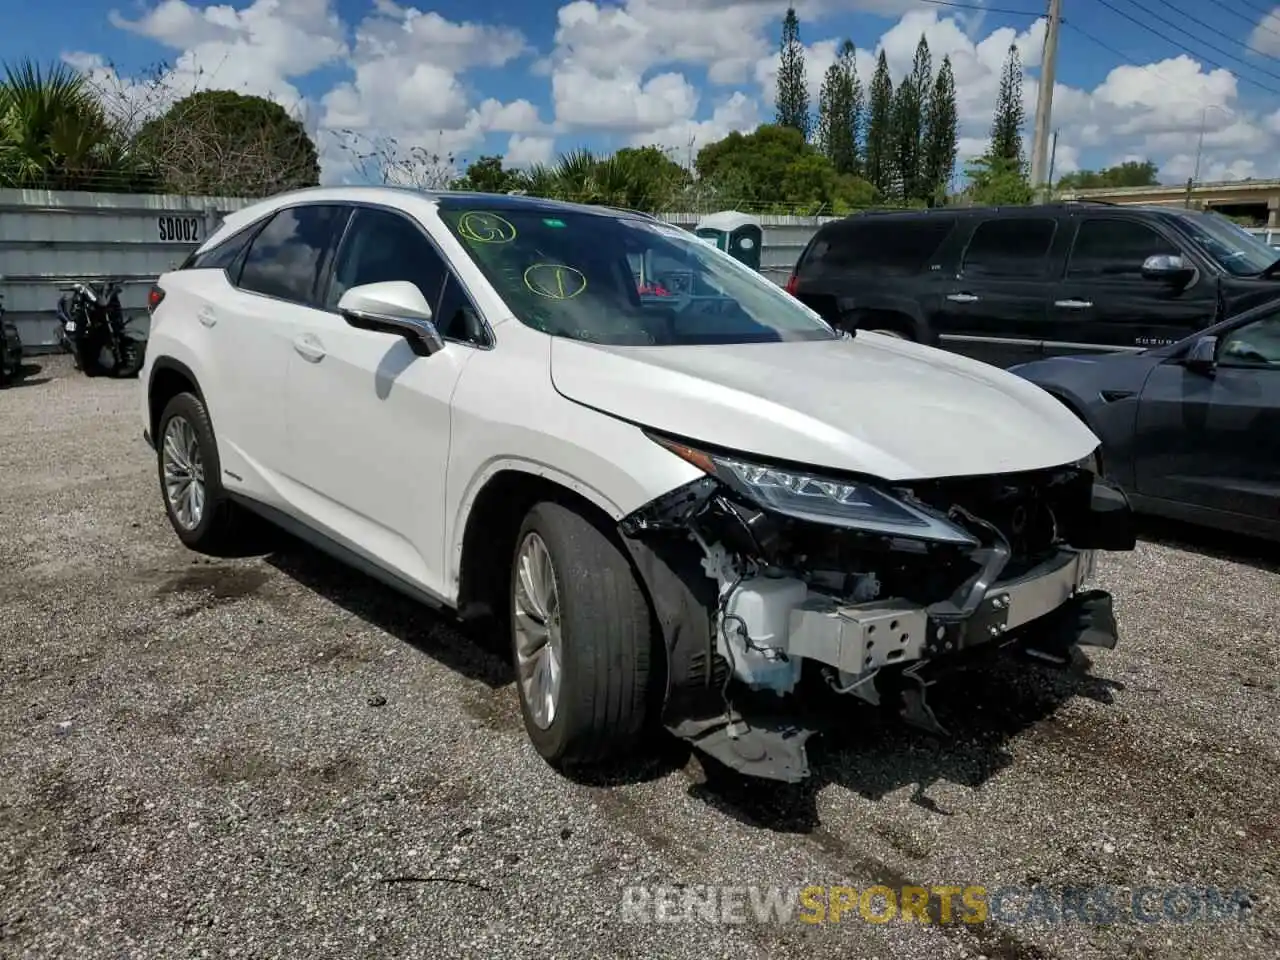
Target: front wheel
{"points": [[582, 638]]}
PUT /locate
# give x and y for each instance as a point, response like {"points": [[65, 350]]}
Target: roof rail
{"points": [[1105, 203]]}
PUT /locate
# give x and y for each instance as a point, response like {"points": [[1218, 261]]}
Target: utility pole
{"points": [[1044, 103]]}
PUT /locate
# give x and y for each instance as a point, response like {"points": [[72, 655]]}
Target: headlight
{"points": [[804, 496]]}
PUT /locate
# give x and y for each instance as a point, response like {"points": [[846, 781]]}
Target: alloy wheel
{"points": [[536, 615], [183, 469]]}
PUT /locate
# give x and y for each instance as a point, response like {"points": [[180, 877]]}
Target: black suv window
{"points": [[223, 255], [1112, 247], [885, 245], [1009, 247], [286, 257], [381, 245]]}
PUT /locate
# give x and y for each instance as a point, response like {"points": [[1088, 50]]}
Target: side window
{"points": [[457, 318], [224, 254], [1109, 247], [380, 246], [1009, 247], [1256, 344], [286, 257], [892, 246]]}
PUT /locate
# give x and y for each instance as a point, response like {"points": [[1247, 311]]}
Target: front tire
{"points": [[199, 509], [582, 638]]}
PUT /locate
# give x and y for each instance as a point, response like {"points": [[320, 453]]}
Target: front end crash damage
{"points": [[764, 575]]}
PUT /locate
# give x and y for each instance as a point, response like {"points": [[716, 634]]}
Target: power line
{"points": [[1260, 24], [1212, 29], [1183, 47], [1262, 11], [978, 6]]}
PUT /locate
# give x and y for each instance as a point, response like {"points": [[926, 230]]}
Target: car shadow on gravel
{"points": [[473, 652], [983, 706], [1219, 544]]}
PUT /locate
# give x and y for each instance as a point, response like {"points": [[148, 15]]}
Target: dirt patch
{"points": [[223, 583], [238, 766]]}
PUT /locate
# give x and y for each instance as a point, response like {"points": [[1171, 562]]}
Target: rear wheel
{"points": [[582, 638], [199, 509]]}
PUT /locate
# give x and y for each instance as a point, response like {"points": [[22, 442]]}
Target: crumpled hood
{"points": [[869, 404]]}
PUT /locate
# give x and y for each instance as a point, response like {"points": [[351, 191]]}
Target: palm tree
{"points": [[54, 133]]}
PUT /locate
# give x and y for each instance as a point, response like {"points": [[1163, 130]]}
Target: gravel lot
{"points": [[275, 757]]}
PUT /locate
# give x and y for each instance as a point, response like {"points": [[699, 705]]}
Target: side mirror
{"points": [[1203, 355], [1170, 268], [393, 306]]}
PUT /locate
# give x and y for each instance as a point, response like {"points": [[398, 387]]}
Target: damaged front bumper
{"points": [[858, 638], [748, 599]]}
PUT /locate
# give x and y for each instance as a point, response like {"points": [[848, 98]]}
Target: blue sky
{"points": [[536, 78]]}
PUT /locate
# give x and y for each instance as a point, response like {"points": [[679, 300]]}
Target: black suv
{"points": [[1012, 284]]}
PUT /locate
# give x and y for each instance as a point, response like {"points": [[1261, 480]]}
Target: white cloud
{"points": [[633, 69], [525, 151], [1265, 38]]}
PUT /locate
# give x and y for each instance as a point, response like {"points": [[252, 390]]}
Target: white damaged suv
{"points": [[683, 494]]}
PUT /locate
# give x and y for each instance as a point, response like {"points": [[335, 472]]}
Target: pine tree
{"points": [[840, 111], [879, 150], [1010, 115], [941, 134], [909, 106], [793, 93]]}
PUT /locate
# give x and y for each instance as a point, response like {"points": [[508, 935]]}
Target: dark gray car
{"points": [[1190, 430]]}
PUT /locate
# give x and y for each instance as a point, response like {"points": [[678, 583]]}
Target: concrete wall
{"points": [[49, 239]]}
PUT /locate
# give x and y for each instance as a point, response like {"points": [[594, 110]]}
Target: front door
{"points": [[369, 419], [995, 308], [1104, 304], [1212, 438]]}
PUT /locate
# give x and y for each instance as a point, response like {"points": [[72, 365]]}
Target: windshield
{"points": [[1233, 247], [620, 280]]}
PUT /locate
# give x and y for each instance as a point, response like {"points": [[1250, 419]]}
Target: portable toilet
{"points": [[738, 234]]}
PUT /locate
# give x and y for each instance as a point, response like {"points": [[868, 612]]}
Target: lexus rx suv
{"points": [[681, 493]]}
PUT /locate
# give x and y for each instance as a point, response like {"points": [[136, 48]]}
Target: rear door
{"points": [[1104, 304], [1211, 439], [995, 307], [267, 290]]}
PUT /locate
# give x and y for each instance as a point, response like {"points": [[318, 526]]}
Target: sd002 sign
{"points": [[179, 229]]}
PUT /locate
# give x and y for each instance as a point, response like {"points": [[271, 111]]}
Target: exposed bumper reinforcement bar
{"points": [[856, 638]]}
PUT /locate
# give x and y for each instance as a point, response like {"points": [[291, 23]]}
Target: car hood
{"points": [[870, 404]]}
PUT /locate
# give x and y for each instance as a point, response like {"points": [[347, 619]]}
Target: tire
{"points": [[131, 363], [218, 523], [601, 640]]}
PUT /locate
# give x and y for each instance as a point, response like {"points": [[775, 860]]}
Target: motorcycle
{"points": [[92, 327], [10, 349]]}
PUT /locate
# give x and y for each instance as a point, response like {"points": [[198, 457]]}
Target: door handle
{"points": [[962, 298], [207, 317], [1073, 304], [309, 348]]}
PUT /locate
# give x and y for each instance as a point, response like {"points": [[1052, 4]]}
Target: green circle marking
{"points": [[481, 227], [555, 281]]}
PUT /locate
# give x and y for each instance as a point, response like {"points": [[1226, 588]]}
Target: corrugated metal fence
{"points": [[49, 239]]}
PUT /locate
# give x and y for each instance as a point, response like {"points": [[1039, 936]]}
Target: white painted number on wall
{"points": [[179, 229]]}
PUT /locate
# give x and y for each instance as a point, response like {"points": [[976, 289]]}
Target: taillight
{"points": [[154, 297], [792, 282]]}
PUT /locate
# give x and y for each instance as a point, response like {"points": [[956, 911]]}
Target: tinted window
{"points": [[895, 246], [457, 318], [1235, 249], [1009, 247], [1256, 343], [379, 246], [623, 280], [223, 255], [1115, 248], [286, 257]]}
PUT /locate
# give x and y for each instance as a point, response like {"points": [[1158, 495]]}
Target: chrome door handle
{"points": [[309, 348], [1073, 304], [962, 298], [207, 317]]}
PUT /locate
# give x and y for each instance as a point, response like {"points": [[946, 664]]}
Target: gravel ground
{"points": [[275, 757]]}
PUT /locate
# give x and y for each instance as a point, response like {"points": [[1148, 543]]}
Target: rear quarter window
{"points": [[892, 246]]}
